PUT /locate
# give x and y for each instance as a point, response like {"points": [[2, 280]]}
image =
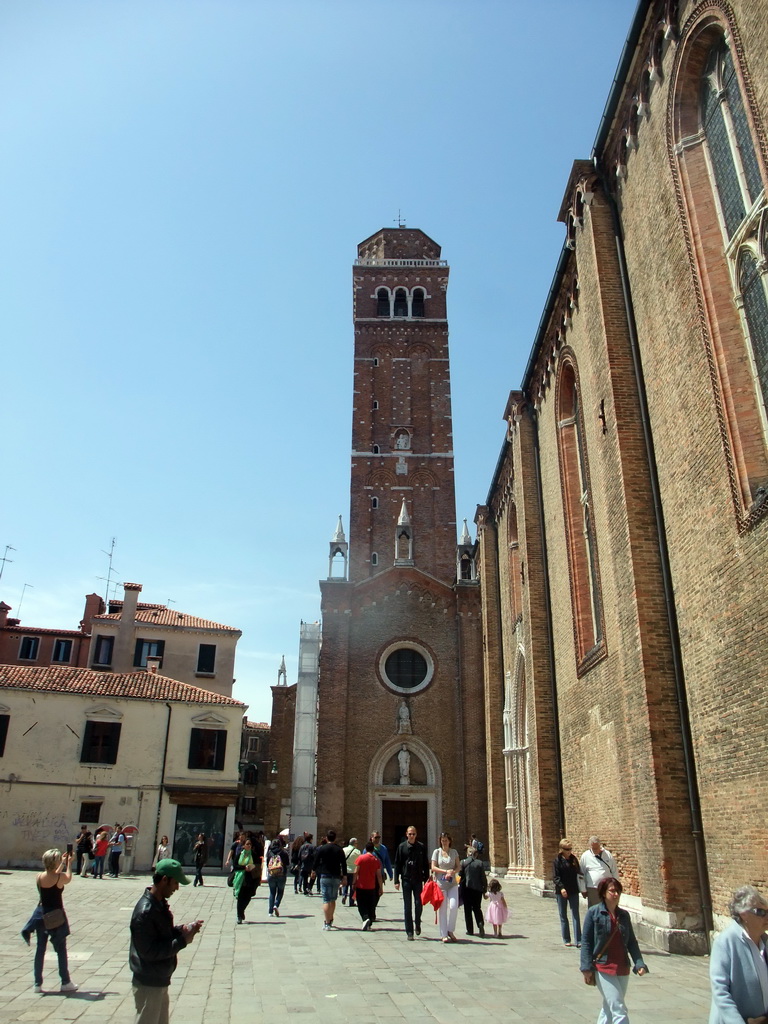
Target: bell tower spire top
{"points": [[402, 436]]}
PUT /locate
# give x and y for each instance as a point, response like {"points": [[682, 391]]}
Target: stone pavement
{"points": [[270, 966]]}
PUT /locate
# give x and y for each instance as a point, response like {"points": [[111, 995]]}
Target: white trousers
{"points": [[613, 989], [449, 908]]}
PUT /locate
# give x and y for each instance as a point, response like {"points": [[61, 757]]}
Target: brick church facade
{"points": [[623, 548], [400, 679]]}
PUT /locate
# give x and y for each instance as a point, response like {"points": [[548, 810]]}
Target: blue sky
{"points": [[182, 191]]}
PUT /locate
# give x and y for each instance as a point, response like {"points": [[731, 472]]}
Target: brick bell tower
{"points": [[400, 680]]}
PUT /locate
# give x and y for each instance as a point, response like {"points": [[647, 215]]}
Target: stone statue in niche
{"points": [[404, 761], [404, 719]]}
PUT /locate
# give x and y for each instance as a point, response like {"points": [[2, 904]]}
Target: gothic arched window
{"points": [[382, 302], [401, 302], [586, 597], [417, 302], [722, 178]]}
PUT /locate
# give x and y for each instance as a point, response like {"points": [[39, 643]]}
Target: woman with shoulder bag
{"points": [[49, 919], [607, 942], [445, 868]]}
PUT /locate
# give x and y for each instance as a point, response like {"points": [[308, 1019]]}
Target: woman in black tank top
{"points": [[50, 885]]}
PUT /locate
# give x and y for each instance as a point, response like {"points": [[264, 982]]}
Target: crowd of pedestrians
{"points": [[608, 946]]}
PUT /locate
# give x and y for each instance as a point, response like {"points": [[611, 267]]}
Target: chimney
{"points": [[94, 605], [122, 656], [131, 593], [153, 665], [4, 609]]}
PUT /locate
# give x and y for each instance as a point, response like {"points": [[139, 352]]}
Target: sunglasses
{"points": [[759, 911]]}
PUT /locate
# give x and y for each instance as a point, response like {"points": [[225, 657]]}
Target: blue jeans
{"points": [[58, 939], [276, 885], [98, 867], [613, 989], [329, 887], [573, 902]]}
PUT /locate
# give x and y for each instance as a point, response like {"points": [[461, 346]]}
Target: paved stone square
{"points": [[270, 965]]}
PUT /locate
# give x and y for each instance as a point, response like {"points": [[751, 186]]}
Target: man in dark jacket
{"points": [[412, 869], [155, 941]]}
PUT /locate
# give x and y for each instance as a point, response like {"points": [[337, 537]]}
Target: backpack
{"points": [[275, 865], [306, 852], [479, 846]]}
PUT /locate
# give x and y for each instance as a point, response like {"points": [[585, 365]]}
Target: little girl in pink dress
{"points": [[498, 911]]}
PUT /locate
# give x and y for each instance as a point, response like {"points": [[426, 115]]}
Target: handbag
{"points": [[599, 953], [54, 919]]}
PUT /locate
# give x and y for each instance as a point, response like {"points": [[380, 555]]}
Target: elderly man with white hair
{"points": [[738, 971], [596, 863]]}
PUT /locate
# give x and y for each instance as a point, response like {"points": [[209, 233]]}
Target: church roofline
{"points": [[402, 570]]}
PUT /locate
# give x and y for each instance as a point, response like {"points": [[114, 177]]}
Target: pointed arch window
{"points": [[417, 302], [382, 302], [722, 180], [515, 574], [586, 596], [732, 152], [401, 302]]}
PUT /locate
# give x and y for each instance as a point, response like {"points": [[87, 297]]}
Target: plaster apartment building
{"points": [[122, 636], [191, 649], [84, 747]]}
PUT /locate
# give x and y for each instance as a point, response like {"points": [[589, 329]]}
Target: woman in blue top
{"points": [[606, 939]]}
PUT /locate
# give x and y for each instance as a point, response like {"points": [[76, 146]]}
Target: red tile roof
{"points": [[257, 725], [34, 630], [130, 685], [159, 615]]}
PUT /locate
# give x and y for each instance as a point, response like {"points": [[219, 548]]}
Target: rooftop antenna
{"points": [[399, 220], [111, 570], [169, 602], [5, 558], [27, 586]]}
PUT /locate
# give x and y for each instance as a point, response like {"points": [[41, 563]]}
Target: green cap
{"points": [[171, 869]]}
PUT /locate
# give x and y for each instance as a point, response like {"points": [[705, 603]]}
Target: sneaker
{"points": [[38, 989], [367, 925], [326, 926], [410, 937], [69, 987], [276, 912]]}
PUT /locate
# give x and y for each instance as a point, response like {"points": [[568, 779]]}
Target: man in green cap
{"points": [[155, 941]]}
